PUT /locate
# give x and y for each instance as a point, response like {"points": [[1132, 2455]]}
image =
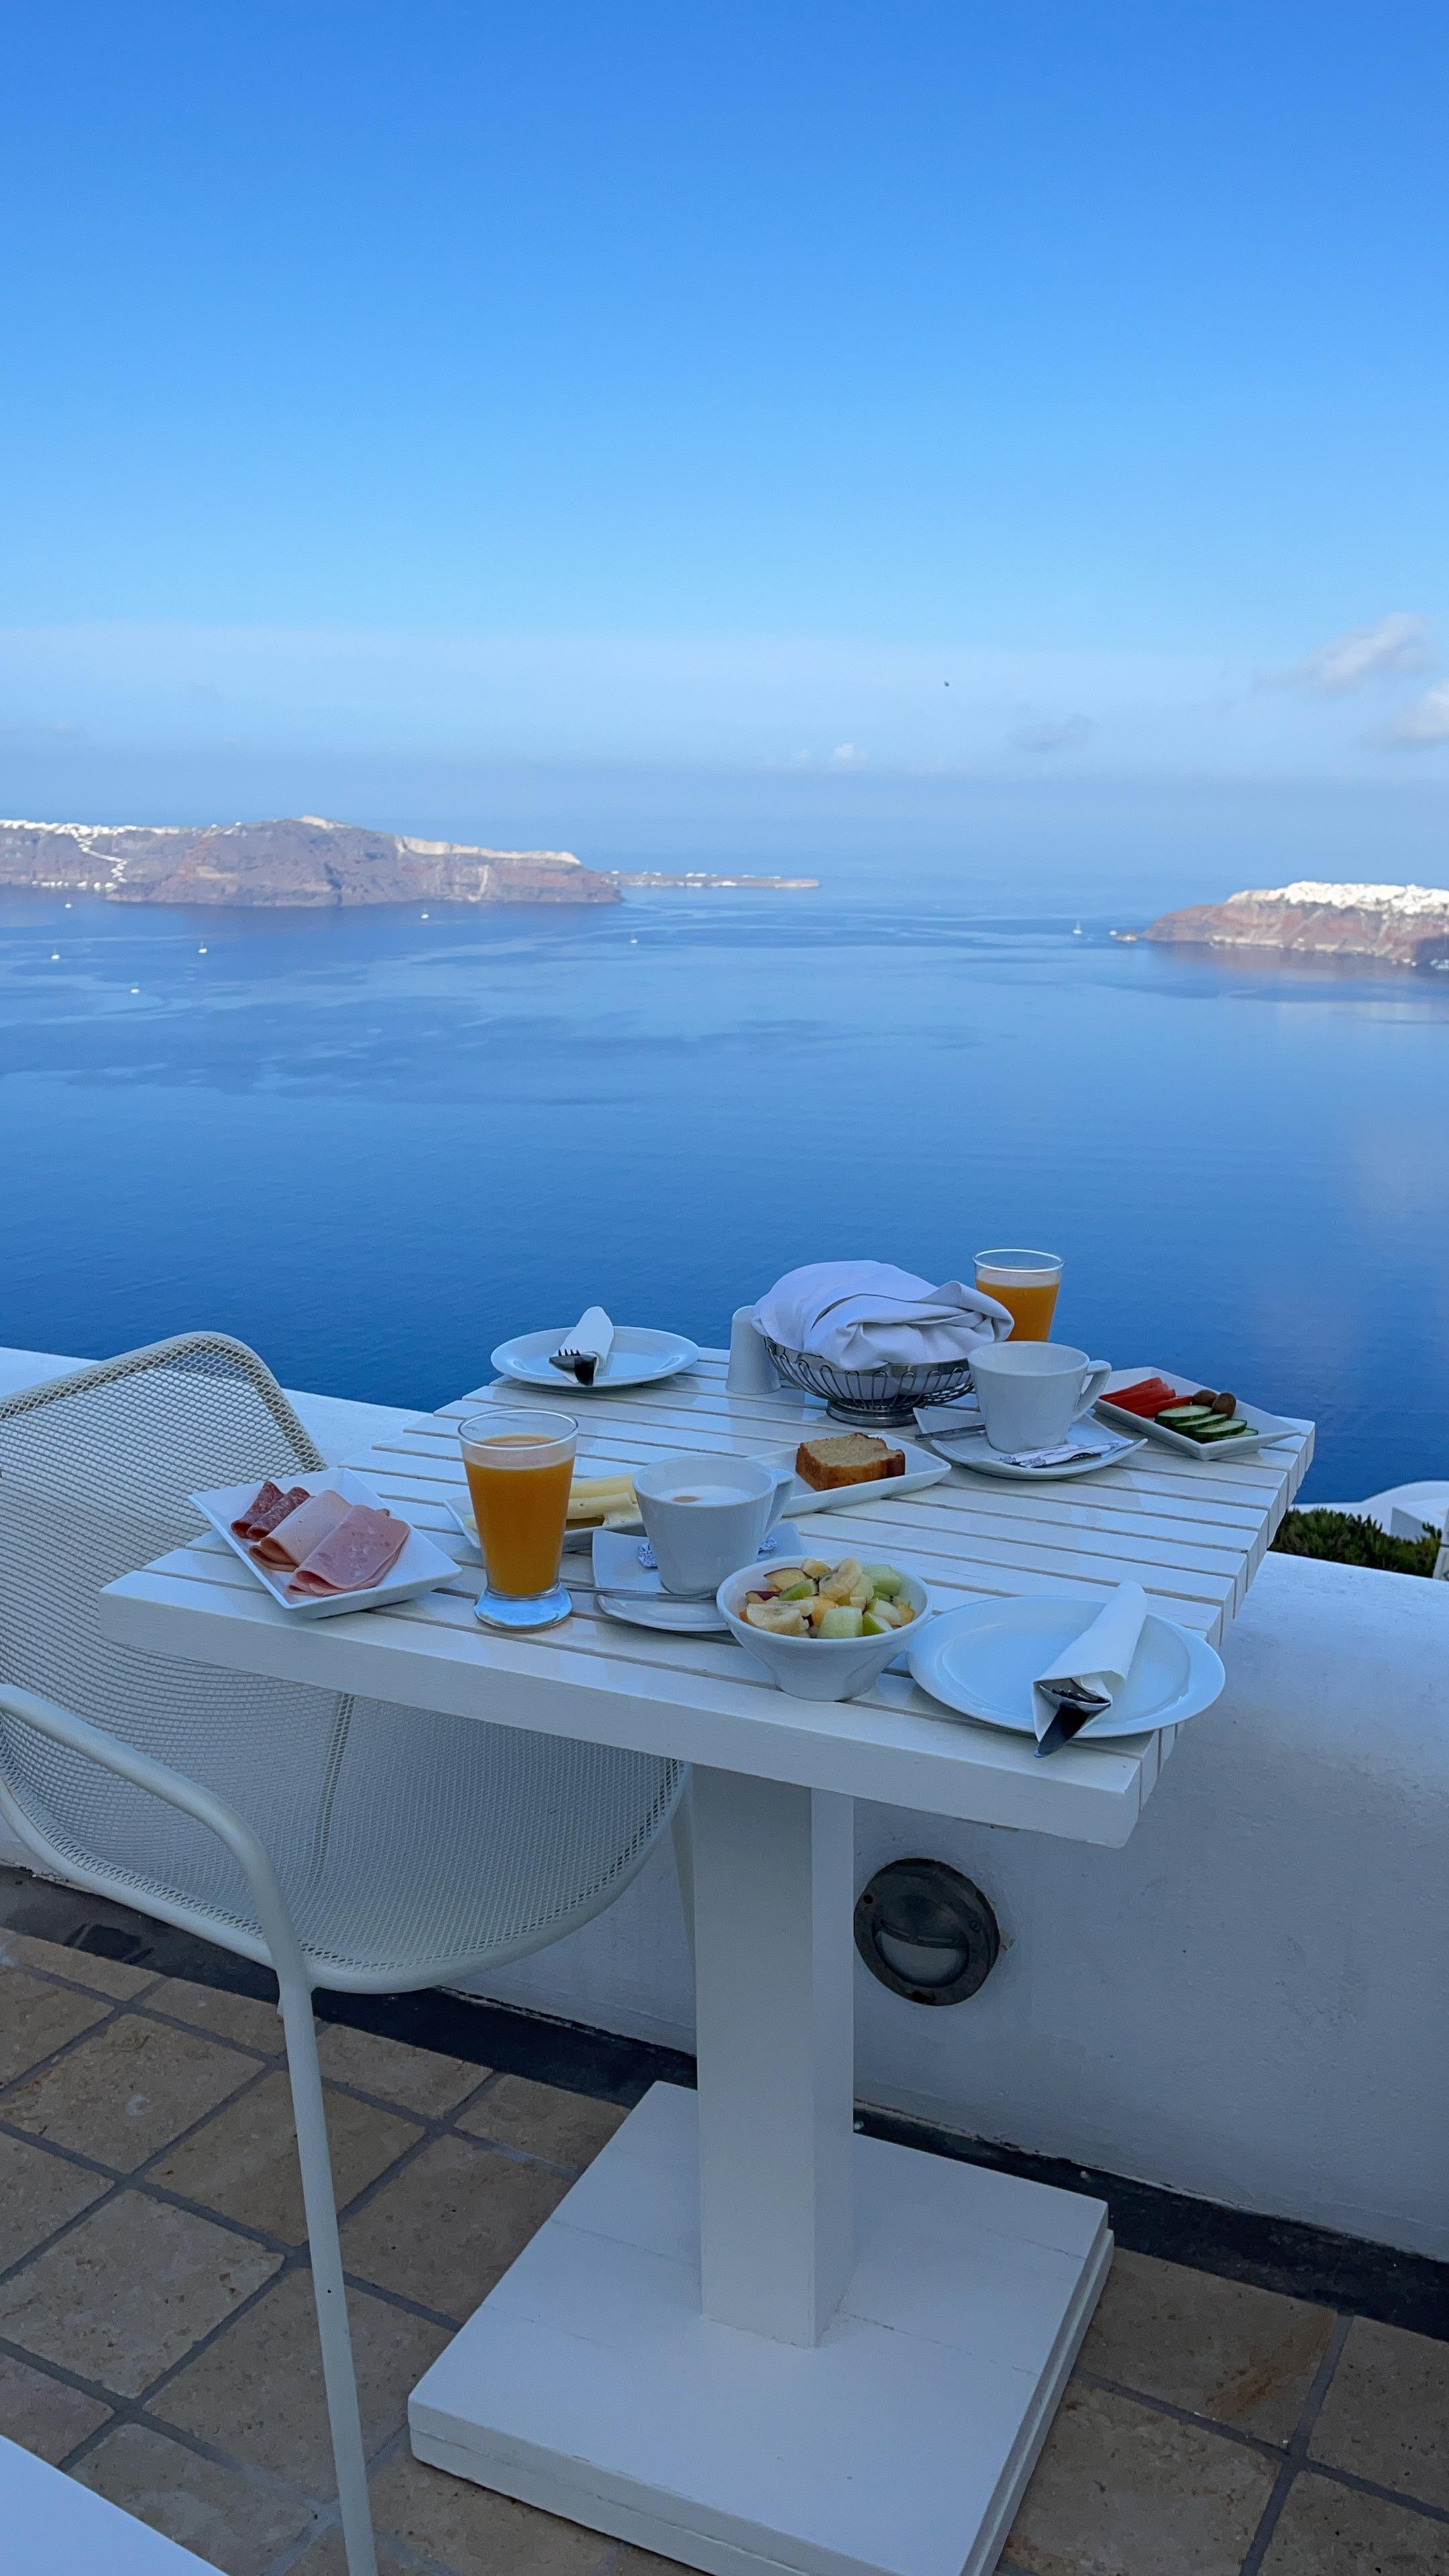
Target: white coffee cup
{"points": [[1030, 1393], [706, 1515]]}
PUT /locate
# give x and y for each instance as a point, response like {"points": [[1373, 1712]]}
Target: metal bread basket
{"points": [[877, 1399]]}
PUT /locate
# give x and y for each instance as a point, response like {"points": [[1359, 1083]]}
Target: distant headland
{"points": [[1398, 925], [307, 861]]}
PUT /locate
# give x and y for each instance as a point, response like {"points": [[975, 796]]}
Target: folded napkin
{"points": [[1082, 1681], [593, 1332], [868, 1314]]}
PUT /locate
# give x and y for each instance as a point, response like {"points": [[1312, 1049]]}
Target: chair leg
{"points": [[681, 1826], [320, 2204]]}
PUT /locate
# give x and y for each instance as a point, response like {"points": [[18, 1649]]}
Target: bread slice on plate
{"points": [[847, 1458]]}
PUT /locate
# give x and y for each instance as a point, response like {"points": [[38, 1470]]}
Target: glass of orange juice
{"points": [[1026, 1284], [519, 1467]]}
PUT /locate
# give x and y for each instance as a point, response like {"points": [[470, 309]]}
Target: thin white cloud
{"points": [[1054, 733], [1394, 643], [845, 756], [1423, 724]]}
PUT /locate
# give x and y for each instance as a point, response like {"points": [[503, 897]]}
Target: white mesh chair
{"points": [[341, 1841]]}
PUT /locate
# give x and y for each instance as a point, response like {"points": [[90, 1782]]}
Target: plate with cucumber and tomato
{"points": [[1184, 1414]]}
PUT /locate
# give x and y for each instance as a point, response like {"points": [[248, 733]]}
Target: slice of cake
{"points": [[847, 1458]]}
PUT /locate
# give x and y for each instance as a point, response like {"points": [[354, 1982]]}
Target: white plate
{"points": [[575, 1540], [636, 1359], [921, 1470], [419, 1567], [974, 1453], [1266, 1427], [983, 1658]]}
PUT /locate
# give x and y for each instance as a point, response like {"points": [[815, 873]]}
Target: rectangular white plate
{"points": [[419, 1567], [1265, 1426], [921, 1470]]}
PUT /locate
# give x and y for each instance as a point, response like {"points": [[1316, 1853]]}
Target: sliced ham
{"points": [[291, 1541], [270, 1506], [354, 1554]]}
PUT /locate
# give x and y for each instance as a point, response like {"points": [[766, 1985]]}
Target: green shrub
{"points": [[1346, 1538]]}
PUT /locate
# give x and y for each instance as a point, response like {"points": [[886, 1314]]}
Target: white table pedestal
{"points": [[749, 2339]]}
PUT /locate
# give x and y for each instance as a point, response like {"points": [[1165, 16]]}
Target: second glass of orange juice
{"points": [[520, 1467], [1026, 1284]]}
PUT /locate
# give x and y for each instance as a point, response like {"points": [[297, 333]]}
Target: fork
{"points": [[580, 1364]]}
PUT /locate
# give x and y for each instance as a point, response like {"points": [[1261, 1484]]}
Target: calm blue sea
{"points": [[373, 1143]]}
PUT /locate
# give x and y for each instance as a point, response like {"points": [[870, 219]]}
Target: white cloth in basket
{"points": [[866, 1314]]}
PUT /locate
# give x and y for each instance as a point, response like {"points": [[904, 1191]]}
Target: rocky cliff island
{"points": [[1398, 925], [301, 860]]}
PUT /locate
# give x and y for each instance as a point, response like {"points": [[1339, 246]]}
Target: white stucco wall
{"points": [[1249, 2002]]}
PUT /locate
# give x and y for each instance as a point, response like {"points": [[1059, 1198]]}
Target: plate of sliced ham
{"points": [[325, 1543]]}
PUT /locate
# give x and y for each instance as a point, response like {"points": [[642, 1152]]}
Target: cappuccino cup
{"points": [[1030, 1393], [706, 1515]]}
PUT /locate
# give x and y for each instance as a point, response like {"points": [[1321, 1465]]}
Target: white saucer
{"points": [[619, 1571], [636, 1359], [983, 1658], [683, 1618], [974, 1453]]}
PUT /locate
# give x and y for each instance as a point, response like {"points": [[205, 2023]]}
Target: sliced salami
{"points": [[291, 1541], [356, 1553], [270, 1506]]}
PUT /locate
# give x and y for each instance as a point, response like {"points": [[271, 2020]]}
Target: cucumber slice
{"points": [[1183, 1417], [1220, 1430]]}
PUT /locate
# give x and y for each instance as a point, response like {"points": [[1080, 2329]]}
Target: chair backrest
{"points": [[96, 1469]]}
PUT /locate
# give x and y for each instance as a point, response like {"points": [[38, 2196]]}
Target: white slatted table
{"points": [[749, 2339]]}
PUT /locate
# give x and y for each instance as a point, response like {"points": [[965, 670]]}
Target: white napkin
{"points": [[863, 1314], [1100, 1660], [593, 1332]]}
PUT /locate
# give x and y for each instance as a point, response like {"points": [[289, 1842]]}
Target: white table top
{"points": [[1192, 1532]]}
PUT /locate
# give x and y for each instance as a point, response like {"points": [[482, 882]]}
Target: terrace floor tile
{"points": [[122, 2095], [466, 2528], [543, 2120], [418, 2079], [1239, 2355], [236, 2524], [36, 2020], [1327, 2530], [257, 2390], [1121, 2491], [129, 2291], [244, 2162], [227, 2016], [449, 2226], [104, 1976], [1386, 2415], [38, 2193], [42, 2414]]}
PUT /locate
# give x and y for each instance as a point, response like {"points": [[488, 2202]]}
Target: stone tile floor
{"points": [[156, 2334]]}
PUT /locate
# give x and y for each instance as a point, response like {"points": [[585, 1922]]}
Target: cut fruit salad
{"points": [[814, 1599]]}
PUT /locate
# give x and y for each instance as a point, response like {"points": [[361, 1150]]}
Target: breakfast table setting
{"points": [[894, 1542]]}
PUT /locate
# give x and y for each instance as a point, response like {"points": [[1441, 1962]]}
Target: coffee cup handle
{"points": [[784, 1479], [1094, 1378]]}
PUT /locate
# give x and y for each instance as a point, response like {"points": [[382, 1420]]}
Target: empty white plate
{"points": [[637, 1357], [983, 1659]]}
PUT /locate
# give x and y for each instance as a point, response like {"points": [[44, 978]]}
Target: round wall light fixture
{"points": [[926, 1932]]}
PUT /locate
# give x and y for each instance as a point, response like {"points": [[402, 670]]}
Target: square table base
{"points": [[590, 2384]]}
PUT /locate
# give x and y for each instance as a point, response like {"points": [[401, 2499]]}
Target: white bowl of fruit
{"points": [[823, 1630]]}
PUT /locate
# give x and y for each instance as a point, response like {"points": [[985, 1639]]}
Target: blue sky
{"points": [[710, 387]]}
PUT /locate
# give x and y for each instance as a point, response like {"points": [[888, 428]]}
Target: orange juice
{"points": [[520, 1511], [1026, 1284]]}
